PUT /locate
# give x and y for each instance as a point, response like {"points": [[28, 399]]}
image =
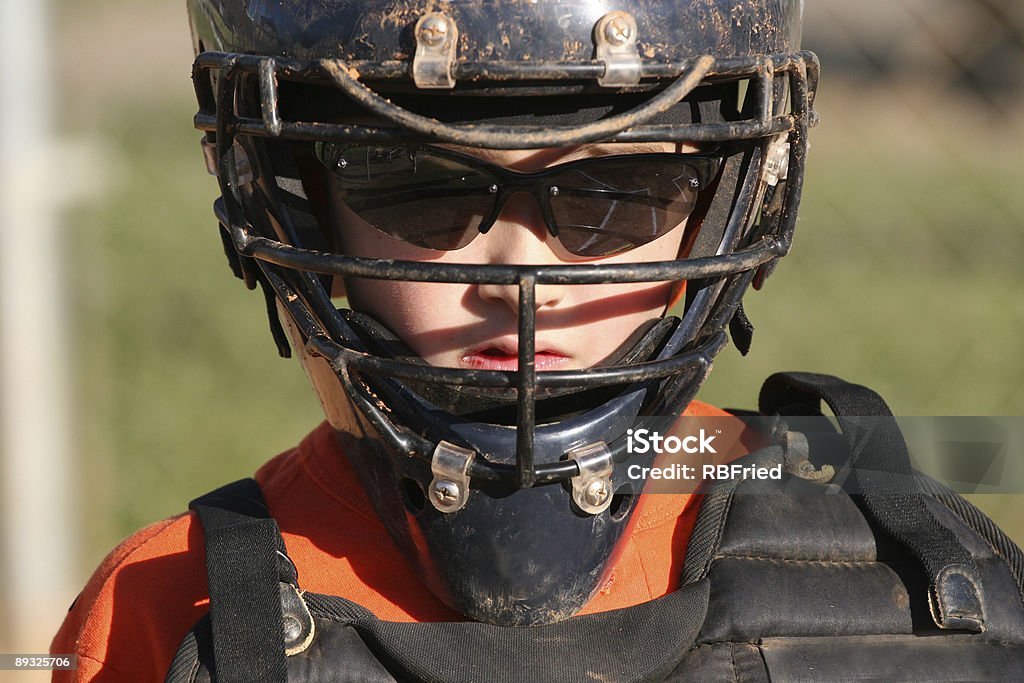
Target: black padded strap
{"points": [[881, 471], [640, 643], [242, 566]]}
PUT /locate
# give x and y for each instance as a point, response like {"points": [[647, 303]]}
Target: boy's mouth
{"points": [[492, 356]]}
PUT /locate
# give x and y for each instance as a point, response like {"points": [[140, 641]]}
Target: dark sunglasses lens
{"points": [[419, 197], [611, 205]]}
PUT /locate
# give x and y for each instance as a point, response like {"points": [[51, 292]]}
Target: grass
{"points": [[180, 386]]}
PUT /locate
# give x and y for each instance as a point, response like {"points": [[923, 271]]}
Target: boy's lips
{"points": [[504, 355]]}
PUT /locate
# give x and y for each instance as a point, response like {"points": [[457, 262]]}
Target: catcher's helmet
{"points": [[505, 488]]}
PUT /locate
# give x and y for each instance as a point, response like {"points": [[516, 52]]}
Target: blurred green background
{"points": [[906, 273]]}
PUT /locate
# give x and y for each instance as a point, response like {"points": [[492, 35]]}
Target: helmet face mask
{"points": [[449, 455]]}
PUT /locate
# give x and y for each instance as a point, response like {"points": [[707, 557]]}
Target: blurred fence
{"points": [[961, 47], [905, 276]]}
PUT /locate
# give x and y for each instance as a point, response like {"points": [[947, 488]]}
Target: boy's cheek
{"points": [[411, 309], [438, 321]]}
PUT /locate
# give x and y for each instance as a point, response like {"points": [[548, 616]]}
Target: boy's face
{"points": [[475, 326]]}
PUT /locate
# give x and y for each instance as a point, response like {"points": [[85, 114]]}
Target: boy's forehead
{"points": [[535, 159]]}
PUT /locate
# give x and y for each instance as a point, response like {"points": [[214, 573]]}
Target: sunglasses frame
{"points": [[508, 182]]}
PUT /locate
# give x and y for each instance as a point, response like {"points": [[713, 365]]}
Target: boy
{"points": [[510, 221]]}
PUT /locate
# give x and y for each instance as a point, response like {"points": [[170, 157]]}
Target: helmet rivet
{"points": [[292, 628], [446, 493], [596, 493], [694, 184], [618, 31], [434, 30]]}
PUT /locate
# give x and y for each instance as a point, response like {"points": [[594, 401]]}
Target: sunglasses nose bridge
{"points": [[506, 192], [536, 187]]}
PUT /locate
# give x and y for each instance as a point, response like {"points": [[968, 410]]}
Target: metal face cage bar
{"points": [[277, 259], [525, 473], [762, 70]]}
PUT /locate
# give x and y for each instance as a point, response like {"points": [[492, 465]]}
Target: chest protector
{"points": [[890, 577]]}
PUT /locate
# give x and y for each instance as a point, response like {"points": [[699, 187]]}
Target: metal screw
{"points": [[493, 189], [446, 493], [434, 30], [553, 191], [342, 163], [597, 493], [618, 30], [694, 184]]}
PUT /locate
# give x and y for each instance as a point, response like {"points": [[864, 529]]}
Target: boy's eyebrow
{"points": [[591, 148]]}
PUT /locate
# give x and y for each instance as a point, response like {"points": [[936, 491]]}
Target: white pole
{"points": [[35, 471]]}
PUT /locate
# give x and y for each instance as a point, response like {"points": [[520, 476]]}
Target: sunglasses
{"points": [[440, 199]]}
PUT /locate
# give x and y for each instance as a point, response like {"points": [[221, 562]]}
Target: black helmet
{"points": [[506, 489]]}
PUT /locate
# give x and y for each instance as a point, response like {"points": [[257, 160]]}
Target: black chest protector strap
{"points": [[245, 564], [892, 495]]}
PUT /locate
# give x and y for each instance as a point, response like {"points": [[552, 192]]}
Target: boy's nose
{"points": [[520, 237]]}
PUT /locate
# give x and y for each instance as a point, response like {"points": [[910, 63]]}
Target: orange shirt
{"points": [[130, 618]]}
